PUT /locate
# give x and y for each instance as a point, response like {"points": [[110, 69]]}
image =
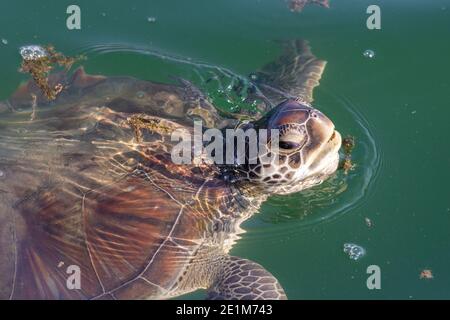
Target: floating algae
{"points": [[152, 124], [426, 274], [348, 143], [40, 61]]}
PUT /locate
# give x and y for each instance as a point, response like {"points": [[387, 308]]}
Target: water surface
{"points": [[395, 104]]}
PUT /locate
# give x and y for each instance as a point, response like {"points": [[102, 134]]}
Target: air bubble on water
{"points": [[234, 108], [253, 77], [151, 19], [354, 251], [4, 41], [369, 54], [32, 52]]}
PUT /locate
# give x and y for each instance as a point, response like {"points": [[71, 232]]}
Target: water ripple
{"points": [[283, 216]]}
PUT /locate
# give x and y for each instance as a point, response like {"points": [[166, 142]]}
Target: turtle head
{"points": [[307, 153]]}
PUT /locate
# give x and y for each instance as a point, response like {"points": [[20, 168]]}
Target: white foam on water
{"points": [[32, 52]]}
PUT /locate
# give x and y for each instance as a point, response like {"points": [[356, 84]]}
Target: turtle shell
{"points": [[78, 192]]}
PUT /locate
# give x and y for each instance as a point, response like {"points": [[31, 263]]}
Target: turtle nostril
{"points": [[314, 114]]}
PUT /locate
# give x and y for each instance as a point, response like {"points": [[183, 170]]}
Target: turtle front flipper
{"points": [[242, 279], [294, 75]]}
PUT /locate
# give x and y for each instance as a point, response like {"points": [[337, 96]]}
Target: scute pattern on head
{"points": [[305, 136]]}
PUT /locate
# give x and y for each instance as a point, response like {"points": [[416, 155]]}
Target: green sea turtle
{"points": [[82, 195]]}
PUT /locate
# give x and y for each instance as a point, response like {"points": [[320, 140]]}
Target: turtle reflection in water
{"points": [[79, 189]]}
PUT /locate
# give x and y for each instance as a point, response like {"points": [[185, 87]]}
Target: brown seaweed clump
{"points": [[141, 122], [40, 67], [426, 274], [348, 144]]}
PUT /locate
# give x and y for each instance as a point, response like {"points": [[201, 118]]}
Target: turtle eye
{"points": [[289, 145]]}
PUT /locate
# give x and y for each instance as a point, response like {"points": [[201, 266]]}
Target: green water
{"points": [[396, 105]]}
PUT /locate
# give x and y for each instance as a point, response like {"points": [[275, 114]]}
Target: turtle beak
{"points": [[335, 140]]}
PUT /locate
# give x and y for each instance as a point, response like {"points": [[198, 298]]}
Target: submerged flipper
{"points": [[294, 74], [242, 279]]}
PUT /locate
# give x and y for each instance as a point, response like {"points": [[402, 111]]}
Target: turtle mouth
{"points": [[330, 153], [333, 135], [335, 140], [326, 158]]}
